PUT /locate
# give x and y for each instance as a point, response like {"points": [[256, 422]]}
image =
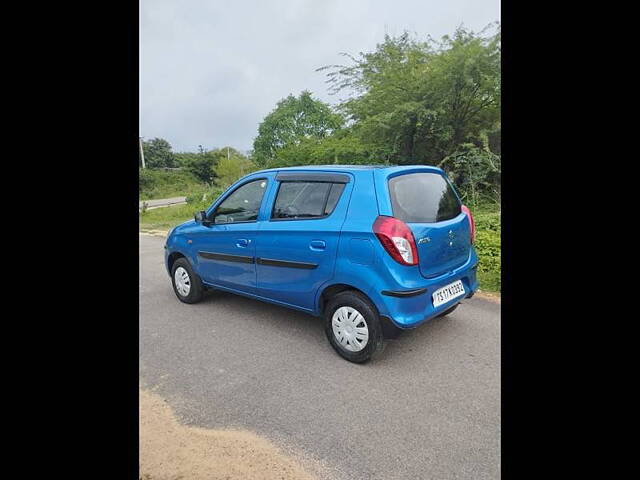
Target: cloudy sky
{"points": [[210, 70]]}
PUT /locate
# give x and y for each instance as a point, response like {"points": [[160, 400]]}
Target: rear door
{"points": [[296, 246], [427, 203]]}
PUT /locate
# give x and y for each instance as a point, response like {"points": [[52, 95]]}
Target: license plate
{"points": [[448, 292]]}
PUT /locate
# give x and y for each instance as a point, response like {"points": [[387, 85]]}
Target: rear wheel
{"points": [[353, 327], [186, 283]]}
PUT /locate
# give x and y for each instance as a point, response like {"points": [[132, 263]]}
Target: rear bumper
{"points": [[410, 308]]}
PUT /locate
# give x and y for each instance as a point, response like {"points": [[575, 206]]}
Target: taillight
{"points": [[472, 224], [397, 239]]}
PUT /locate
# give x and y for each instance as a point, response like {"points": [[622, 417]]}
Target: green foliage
{"points": [[146, 181], [158, 154], [416, 102], [487, 218], [230, 169], [169, 217], [294, 119], [166, 184], [340, 148], [205, 197], [202, 166], [475, 172], [184, 159]]}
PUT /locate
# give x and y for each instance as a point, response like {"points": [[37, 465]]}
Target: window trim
{"points": [[251, 180], [319, 177], [324, 207]]}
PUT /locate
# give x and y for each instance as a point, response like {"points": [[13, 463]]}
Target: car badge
{"points": [[424, 240]]}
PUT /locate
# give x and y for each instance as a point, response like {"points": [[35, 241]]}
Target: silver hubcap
{"points": [[350, 329], [182, 280]]}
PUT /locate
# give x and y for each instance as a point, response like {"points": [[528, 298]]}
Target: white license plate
{"points": [[448, 292]]}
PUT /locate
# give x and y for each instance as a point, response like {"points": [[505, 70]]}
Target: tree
{"points": [[416, 102], [202, 164], [293, 120], [158, 153], [184, 159], [231, 166], [340, 148], [476, 171]]}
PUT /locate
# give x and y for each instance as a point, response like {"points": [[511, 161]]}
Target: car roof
{"points": [[347, 168]]}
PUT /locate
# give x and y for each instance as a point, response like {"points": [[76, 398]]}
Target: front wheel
{"points": [[186, 283], [353, 327]]}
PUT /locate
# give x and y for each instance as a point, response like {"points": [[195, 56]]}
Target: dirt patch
{"points": [[156, 233], [494, 297], [171, 451]]}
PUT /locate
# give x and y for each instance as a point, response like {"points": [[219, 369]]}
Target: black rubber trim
{"points": [[404, 293], [226, 257], [313, 177], [283, 263], [389, 329]]}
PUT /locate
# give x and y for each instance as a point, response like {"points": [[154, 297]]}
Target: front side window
{"points": [[300, 200], [242, 205]]}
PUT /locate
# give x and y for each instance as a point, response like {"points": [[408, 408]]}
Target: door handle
{"points": [[317, 245], [242, 242]]}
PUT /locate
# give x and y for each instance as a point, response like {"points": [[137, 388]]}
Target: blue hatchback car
{"points": [[372, 249]]}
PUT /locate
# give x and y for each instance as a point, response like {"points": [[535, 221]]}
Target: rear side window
{"points": [[423, 198], [300, 200], [334, 196]]}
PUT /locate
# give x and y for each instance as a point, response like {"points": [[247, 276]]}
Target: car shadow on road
{"points": [[310, 329]]}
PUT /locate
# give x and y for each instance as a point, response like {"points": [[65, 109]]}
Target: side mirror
{"points": [[201, 217]]}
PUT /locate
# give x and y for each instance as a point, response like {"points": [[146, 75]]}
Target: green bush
{"points": [[487, 245], [168, 217], [158, 183], [147, 180], [204, 198]]}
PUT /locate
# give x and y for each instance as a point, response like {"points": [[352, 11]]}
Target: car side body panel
{"points": [[291, 263]]}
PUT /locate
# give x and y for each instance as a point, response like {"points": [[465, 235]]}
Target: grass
{"points": [[165, 218], [155, 184], [168, 217], [487, 218]]}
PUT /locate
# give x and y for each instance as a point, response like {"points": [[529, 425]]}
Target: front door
{"points": [[226, 252]]}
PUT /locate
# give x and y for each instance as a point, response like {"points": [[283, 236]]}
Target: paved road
{"points": [[163, 202], [427, 408]]}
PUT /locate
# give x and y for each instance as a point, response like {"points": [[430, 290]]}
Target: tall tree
{"points": [[417, 102], [293, 120], [158, 153]]}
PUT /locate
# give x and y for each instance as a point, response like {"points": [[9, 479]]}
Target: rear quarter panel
{"points": [[363, 263]]}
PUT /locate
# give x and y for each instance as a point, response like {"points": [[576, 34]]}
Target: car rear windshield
{"points": [[423, 198]]}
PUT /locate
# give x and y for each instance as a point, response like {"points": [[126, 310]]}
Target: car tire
{"points": [[186, 283], [347, 332], [448, 311]]}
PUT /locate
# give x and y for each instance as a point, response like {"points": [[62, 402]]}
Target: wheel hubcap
{"points": [[350, 329], [182, 281]]}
